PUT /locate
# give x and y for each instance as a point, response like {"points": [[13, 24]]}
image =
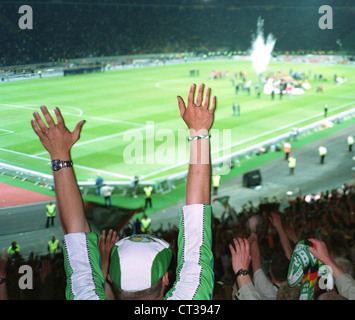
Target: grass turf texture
{"points": [[119, 107]]}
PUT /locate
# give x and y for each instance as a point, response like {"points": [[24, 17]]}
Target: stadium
{"points": [[279, 76]]}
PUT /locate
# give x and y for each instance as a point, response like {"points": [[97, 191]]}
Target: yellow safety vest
{"points": [[146, 224], [292, 162], [53, 246], [12, 251], [216, 181], [148, 191], [322, 151], [50, 210]]}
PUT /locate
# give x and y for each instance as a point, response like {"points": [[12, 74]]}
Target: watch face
{"points": [[56, 165], [2, 280]]}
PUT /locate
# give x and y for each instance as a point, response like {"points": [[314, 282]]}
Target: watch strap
{"points": [[241, 272], [57, 164]]}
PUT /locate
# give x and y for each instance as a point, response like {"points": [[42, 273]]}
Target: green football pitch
{"points": [[133, 126]]}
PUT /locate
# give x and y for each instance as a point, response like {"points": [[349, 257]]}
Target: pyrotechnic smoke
{"points": [[261, 49]]}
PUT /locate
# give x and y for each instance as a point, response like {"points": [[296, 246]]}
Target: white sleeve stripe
{"points": [[189, 278], [82, 278]]}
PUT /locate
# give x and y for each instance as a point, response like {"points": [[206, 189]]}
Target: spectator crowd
{"points": [[273, 229]]}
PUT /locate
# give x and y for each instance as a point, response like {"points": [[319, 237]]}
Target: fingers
{"points": [[41, 128], [206, 101], [213, 104], [40, 122], [199, 94], [36, 129], [59, 117], [236, 245], [315, 242], [47, 117], [102, 237], [231, 248], [240, 245], [190, 98], [77, 130], [181, 105], [108, 240]]}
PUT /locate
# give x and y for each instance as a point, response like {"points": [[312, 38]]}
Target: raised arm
{"points": [[240, 252], [195, 259], [275, 220], [198, 117], [58, 141]]}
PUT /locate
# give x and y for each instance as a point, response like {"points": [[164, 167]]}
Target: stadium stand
{"points": [[163, 27]]}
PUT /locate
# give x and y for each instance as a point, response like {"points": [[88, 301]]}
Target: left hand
{"points": [[55, 138]]}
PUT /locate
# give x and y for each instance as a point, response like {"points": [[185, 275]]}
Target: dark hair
{"points": [[279, 265], [152, 293], [337, 245]]}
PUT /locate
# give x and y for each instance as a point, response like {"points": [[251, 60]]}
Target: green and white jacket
{"points": [[194, 274]]}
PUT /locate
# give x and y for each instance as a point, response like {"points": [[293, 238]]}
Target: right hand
{"points": [[275, 220], [240, 254], [198, 119]]}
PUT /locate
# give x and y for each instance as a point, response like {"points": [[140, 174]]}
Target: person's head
{"points": [[139, 267], [337, 244], [332, 295], [286, 292]]}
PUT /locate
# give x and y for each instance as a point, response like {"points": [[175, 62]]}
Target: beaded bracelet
{"points": [[203, 136]]}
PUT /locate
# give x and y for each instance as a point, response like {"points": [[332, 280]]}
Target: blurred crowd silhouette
{"points": [[93, 29]]}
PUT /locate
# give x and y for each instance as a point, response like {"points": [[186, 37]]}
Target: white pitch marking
{"points": [[101, 138], [81, 113], [246, 140], [79, 166]]}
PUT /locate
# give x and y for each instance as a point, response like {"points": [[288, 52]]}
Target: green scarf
{"points": [[303, 268]]}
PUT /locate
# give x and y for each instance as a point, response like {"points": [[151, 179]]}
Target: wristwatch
{"points": [[2, 280], [58, 164], [241, 272]]}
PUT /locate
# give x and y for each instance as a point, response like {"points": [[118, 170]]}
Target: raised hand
{"points": [[105, 245], [198, 115], [55, 138], [240, 254]]}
